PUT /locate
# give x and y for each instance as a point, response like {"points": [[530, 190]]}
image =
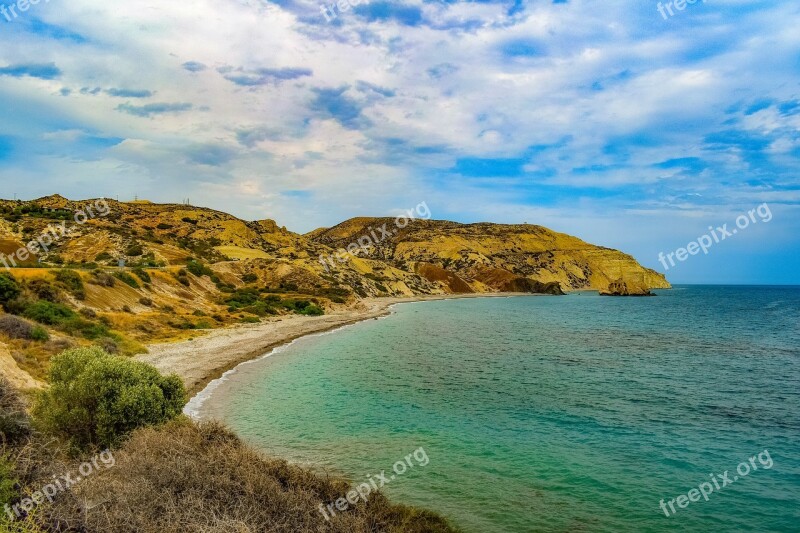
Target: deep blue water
{"points": [[576, 413]]}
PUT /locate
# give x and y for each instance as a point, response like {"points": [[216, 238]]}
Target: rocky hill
{"points": [[488, 257], [424, 257], [123, 275]]}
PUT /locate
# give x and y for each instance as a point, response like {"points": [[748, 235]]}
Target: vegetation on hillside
{"points": [[165, 473], [146, 273], [97, 399]]}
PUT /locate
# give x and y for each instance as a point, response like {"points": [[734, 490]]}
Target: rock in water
{"points": [[626, 288]]}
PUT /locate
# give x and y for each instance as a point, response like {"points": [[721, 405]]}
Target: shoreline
{"points": [[200, 361]]}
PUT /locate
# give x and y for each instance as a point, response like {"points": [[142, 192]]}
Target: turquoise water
{"points": [[576, 413]]}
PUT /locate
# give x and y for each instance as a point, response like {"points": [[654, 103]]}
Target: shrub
{"points": [[86, 328], [142, 274], [44, 290], [88, 313], [9, 288], [109, 345], [249, 278], [134, 250], [185, 477], [312, 310], [103, 256], [16, 327], [102, 278], [40, 334], [198, 268], [127, 279], [164, 226], [72, 281], [97, 399], [14, 423], [48, 313], [146, 301]]}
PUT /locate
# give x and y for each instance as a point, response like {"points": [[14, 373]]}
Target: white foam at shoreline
{"points": [[194, 406]]}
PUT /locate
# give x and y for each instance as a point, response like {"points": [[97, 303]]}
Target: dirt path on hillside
{"points": [[206, 358]]}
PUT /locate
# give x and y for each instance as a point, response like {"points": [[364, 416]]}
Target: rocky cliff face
{"points": [[489, 257], [423, 257]]}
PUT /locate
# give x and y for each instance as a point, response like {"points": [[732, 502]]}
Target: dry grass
{"points": [[185, 477], [237, 252]]}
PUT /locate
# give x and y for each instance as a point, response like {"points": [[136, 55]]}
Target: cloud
{"points": [[442, 70], [129, 93], [44, 71], [366, 87], [599, 121], [263, 76], [194, 66], [210, 154], [332, 103], [52, 31], [154, 109]]}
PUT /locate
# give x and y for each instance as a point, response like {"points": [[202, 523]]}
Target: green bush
{"points": [[249, 278], [49, 313], [72, 281], [9, 288], [312, 310], [97, 399], [86, 328], [40, 334], [127, 279], [142, 274], [198, 268]]}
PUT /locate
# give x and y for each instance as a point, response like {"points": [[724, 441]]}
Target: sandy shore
{"points": [[206, 358]]}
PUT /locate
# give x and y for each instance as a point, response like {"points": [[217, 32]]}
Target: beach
{"points": [[203, 359]]}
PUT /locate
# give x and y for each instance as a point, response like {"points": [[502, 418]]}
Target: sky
{"points": [[609, 120]]}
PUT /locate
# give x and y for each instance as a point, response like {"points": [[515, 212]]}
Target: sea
{"points": [[679, 412]]}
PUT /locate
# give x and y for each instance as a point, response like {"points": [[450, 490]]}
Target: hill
{"points": [[129, 274]]}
